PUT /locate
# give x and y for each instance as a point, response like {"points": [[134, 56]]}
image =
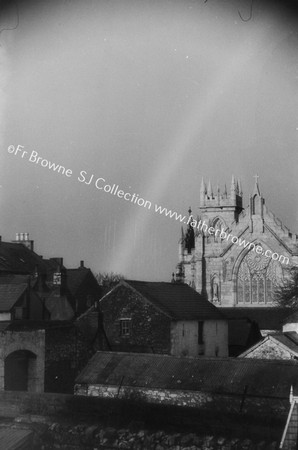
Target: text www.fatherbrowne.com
{"points": [[100, 184], [222, 234]]}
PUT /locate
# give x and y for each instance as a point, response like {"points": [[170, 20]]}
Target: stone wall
{"points": [[213, 403], [66, 353], [32, 341], [269, 350], [150, 328], [185, 338]]}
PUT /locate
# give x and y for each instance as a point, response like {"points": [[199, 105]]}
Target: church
{"points": [[235, 256]]}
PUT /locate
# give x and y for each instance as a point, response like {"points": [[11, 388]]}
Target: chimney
{"points": [[23, 238], [82, 264]]}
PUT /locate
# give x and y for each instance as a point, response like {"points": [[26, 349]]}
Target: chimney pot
{"points": [[26, 236], [21, 236], [17, 236], [82, 264]]}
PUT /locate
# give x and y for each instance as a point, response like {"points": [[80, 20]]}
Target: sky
{"points": [[150, 96]]}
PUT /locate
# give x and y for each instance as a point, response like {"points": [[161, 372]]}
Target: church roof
{"points": [[177, 300], [217, 375], [268, 318]]}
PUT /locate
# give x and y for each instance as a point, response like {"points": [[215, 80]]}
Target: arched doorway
{"points": [[20, 371]]}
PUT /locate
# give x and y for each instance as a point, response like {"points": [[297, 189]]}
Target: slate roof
{"points": [[10, 294], [18, 258], [217, 375], [241, 331], [179, 301], [30, 325], [289, 339], [291, 318], [75, 278], [268, 318]]}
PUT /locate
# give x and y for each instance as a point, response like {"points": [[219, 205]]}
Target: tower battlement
{"points": [[210, 198]]}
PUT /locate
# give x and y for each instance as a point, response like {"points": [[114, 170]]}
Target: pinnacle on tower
{"points": [[256, 187], [202, 192], [209, 190], [233, 184], [240, 188]]}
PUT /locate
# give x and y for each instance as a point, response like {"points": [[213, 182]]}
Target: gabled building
{"points": [[156, 317], [276, 346], [41, 346]]}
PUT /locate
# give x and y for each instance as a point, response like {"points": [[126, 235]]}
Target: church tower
{"points": [[226, 205]]}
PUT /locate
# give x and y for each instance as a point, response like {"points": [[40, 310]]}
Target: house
{"points": [[18, 301], [63, 293], [158, 317], [276, 346], [43, 356], [41, 345], [281, 345]]}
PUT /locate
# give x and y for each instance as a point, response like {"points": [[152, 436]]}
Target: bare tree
{"points": [[286, 294], [108, 280]]}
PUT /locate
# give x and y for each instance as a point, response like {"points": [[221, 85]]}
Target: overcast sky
{"points": [[150, 96]]}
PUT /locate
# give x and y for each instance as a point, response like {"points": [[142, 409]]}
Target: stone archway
{"points": [[20, 371]]}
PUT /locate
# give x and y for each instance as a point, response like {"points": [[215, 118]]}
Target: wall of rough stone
{"points": [[150, 328], [269, 350], [257, 420], [33, 341], [66, 353]]}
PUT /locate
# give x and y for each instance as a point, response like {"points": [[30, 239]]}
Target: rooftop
{"points": [[270, 378], [179, 301], [268, 318]]}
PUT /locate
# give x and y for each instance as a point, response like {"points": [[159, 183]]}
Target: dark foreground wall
{"points": [[255, 418]]}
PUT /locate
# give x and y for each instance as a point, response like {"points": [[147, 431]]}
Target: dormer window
{"points": [[57, 278]]}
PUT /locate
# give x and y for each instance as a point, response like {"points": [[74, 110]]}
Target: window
{"points": [[125, 327], [257, 277], [200, 332]]}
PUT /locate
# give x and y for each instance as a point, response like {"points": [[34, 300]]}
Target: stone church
{"points": [[235, 256]]}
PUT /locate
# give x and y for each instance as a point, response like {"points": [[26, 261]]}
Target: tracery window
{"points": [[256, 279]]}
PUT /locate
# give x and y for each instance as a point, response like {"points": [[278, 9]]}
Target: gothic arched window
{"points": [[256, 279]]}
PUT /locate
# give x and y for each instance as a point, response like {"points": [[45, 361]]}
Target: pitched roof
{"points": [[18, 258], [288, 341], [218, 375], [291, 318], [75, 277], [268, 318], [10, 294], [29, 325], [59, 307], [179, 301]]}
